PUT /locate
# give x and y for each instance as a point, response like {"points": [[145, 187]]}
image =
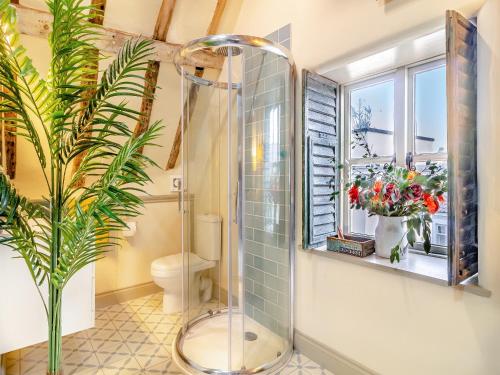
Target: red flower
{"points": [[441, 198], [354, 194], [377, 186], [391, 191], [414, 192], [431, 203]]}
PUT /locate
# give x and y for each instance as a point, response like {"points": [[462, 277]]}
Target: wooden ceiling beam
{"points": [[96, 16], [38, 23], [163, 22], [193, 91], [216, 17], [8, 153], [8, 144]]}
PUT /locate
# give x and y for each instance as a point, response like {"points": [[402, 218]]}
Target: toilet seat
{"points": [[171, 265]]}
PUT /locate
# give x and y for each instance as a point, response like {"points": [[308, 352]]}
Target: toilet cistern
{"points": [[167, 271]]}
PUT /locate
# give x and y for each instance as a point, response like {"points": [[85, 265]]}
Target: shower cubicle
{"points": [[238, 166]]}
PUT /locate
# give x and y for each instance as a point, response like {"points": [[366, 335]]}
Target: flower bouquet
{"points": [[404, 200]]}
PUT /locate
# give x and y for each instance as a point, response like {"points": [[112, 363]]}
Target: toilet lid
{"points": [[172, 264]]}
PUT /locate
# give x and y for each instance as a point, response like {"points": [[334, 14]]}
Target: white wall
{"points": [[158, 234], [393, 324], [159, 228], [159, 231]]}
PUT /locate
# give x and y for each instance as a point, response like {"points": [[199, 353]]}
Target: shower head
{"points": [[224, 51], [220, 45]]}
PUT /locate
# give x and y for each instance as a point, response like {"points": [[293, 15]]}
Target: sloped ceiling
{"points": [[190, 18]]}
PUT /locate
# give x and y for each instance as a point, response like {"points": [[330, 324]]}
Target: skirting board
{"points": [[330, 359], [125, 294]]}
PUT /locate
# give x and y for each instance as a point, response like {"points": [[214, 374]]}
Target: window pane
{"points": [[372, 120], [359, 221], [430, 110], [439, 226]]}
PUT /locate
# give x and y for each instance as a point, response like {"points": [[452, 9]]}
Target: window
{"points": [[420, 112], [399, 116]]}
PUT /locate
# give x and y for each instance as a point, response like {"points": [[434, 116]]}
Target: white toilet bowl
{"points": [[167, 274]]}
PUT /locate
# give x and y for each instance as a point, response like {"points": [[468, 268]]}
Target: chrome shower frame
{"points": [[229, 43]]}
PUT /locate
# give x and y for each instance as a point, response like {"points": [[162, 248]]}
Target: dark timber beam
{"points": [[9, 143], [97, 17], [161, 29], [38, 23], [193, 91], [9, 139]]}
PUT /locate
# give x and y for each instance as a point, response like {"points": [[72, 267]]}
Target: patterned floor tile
{"points": [[81, 369], [299, 364], [127, 366], [109, 352], [76, 343], [130, 338], [32, 368], [151, 354], [34, 353], [12, 366], [81, 357], [162, 368]]}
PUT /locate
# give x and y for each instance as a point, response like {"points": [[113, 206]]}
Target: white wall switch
{"points": [[175, 184]]}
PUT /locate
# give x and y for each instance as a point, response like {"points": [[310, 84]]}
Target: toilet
{"points": [[167, 271]]}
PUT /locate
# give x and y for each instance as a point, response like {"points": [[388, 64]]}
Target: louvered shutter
{"points": [[461, 51], [320, 116]]}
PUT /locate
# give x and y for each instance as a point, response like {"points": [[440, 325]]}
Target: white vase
{"points": [[389, 231]]}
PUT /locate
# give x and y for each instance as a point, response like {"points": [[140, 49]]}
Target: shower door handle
{"points": [[236, 202]]}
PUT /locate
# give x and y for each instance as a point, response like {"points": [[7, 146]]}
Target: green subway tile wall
{"points": [[267, 187]]}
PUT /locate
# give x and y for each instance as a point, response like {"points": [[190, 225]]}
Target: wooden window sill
{"points": [[417, 266]]}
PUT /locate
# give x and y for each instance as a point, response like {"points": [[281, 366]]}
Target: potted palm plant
{"points": [[64, 117]]}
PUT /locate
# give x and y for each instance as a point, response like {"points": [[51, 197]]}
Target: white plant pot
{"points": [[389, 231]]}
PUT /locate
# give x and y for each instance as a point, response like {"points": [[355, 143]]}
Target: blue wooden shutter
{"points": [[461, 80], [320, 121]]}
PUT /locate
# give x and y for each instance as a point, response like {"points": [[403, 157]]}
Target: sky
{"points": [[430, 105]]}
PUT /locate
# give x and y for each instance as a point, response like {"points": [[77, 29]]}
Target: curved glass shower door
{"points": [[237, 202]]}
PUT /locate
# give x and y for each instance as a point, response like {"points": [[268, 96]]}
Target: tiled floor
{"points": [[131, 338]]}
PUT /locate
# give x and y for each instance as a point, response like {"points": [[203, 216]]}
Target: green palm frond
{"points": [[104, 206], [123, 78], [24, 92], [77, 117], [73, 61], [18, 219]]}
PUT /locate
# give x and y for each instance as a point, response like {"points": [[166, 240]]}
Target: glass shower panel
{"points": [[234, 283], [184, 203], [202, 196], [237, 152], [266, 225]]}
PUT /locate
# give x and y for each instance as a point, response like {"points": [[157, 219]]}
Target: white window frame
{"points": [[413, 70], [404, 129]]}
